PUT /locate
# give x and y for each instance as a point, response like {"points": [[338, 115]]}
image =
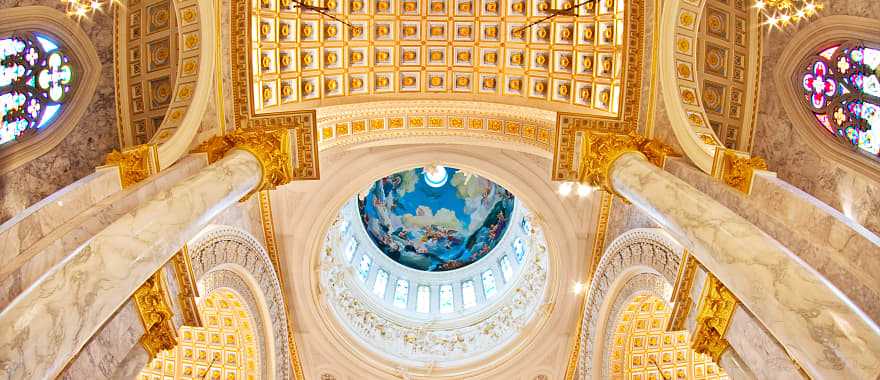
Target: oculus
{"points": [[435, 218]]}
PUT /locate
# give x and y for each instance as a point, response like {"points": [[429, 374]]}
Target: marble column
{"points": [[814, 321], [42, 329]]}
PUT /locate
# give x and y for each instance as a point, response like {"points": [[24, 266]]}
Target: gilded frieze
{"points": [[713, 317], [154, 307]]}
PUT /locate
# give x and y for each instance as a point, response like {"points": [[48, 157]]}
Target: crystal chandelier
{"points": [[780, 13], [84, 8]]}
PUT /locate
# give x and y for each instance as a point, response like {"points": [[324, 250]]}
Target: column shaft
{"points": [[815, 322], [42, 329]]}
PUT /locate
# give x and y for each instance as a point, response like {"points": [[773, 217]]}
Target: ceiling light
{"points": [[565, 188], [577, 288], [584, 190]]}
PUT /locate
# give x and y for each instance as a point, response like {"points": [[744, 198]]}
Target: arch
{"points": [[639, 262], [805, 43], [76, 44], [226, 257], [681, 88]]}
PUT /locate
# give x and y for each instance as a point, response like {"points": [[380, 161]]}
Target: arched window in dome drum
{"points": [[506, 268], [350, 249], [401, 294], [489, 286], [364, 267], [423, 299], [468, 294], [36, 79], [841, 89], [446, 303], [381, 283], [519, 248]]}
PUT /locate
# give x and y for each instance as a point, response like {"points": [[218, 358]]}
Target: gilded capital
{"points": [[602, 149], [154, 308], [135, 164], [714, 312], [269, 144], [736, 169]]}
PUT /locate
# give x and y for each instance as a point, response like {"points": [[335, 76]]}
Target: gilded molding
{"points": [[681, 293], [186, 279], [154, 307], [272, 250], [598, 248], [713, 317], [135, 164], [736, 169], [601, 150]]}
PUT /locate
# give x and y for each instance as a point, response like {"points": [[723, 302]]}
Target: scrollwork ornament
{"points": [[269, 144], [154, 308], [714, 313], [737, 171], [603, 149], [135, 164]]}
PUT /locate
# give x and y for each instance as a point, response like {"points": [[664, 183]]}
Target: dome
{"points": [[435, 218]]}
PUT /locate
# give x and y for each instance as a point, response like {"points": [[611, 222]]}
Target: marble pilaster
{"points": [[109, 348], [735, 367], [64, 308], [814, 321]]}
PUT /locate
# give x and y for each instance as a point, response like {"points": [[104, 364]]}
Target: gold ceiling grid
{"points": [[441, 47], [225, 348], [641, 348]]}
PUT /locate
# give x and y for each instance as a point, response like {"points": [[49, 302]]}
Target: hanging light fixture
{"points": [[84, 8], [781, 13]]}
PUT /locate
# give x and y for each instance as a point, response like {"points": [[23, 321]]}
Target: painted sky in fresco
{"points": [[435, 228]]}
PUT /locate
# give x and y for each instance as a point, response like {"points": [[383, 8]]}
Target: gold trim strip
{"points": [[272, 248], [681, 293], [154, 308], [714, 313], [186, 279]]}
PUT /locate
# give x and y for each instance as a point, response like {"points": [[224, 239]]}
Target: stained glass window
{"points": [[841, 88], [35, 80]]}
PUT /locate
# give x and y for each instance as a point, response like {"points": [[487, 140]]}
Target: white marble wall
{"points": [[814, 321], [52, 320]]}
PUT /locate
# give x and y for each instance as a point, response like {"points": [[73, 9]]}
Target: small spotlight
{"points": [[578, 287], [584, 190], [565, 188]]}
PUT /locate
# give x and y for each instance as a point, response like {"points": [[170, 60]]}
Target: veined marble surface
{"points": [[51, 321], [19, 272], [847, 254], [815, 322]]}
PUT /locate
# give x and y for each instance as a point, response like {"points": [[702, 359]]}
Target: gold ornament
{"points": [[135, 164], [713, 317], [602, 149], [736, 170], [269, 144], [154, 308]]}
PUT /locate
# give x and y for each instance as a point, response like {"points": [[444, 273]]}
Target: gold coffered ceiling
{"points": [[438, 49]]}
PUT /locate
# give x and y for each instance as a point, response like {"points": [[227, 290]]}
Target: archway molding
{"points": [[641, 261], [227, 257]]}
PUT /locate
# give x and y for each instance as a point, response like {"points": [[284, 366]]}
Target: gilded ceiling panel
{"points": [[438, 49]]}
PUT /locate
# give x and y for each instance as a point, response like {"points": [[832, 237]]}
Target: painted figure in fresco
{"points": [[435, 226]]}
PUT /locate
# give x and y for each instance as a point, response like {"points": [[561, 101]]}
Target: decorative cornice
{"points": [[736, 169], [713, 317], [186, 279], [601, 150], [681, 293], [135, 164], [272, 250], [598, 247], [154, 308]]}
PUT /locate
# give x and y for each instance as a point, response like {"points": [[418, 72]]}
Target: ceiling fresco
{"points": [[435, 218]]}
